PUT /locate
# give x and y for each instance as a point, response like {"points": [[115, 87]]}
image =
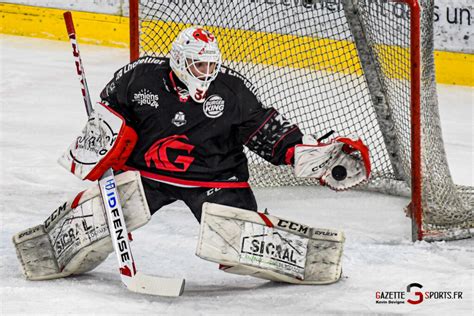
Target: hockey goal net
{"points": [[363, 66]]}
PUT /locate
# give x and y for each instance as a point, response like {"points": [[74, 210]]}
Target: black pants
{"points": [[159, 194]]}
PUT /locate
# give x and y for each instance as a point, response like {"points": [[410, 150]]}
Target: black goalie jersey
{"points": [[187, 143]]}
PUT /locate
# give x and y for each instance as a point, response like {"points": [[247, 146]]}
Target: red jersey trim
{"points": [[190, 183]]}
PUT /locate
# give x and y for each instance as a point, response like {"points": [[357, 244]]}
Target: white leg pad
{"points": [[75, 238], [264, 246]]}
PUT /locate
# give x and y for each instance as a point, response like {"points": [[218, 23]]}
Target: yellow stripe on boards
{"points": [[454, 68], [92, 28], [265, 48], [238, 45]]}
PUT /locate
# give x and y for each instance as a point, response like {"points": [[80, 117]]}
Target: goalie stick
{"points": [[134, 280]]}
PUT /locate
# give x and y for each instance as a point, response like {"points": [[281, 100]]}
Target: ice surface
{"points": [[41, 112]]}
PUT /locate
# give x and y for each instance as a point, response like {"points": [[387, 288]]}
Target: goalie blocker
{"points": [[105, 142], [264, 246]]}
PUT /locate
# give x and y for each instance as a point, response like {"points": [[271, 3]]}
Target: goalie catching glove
{"points": [[341, 163]]}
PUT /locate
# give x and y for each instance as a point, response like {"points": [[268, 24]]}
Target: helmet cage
{"points": [[187, 56], [194, 66]]}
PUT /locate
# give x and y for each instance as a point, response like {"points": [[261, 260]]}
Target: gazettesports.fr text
{"points": [[447, 295]]}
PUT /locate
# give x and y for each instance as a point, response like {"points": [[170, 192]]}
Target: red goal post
{"points": [[427, 216], [134, 30]]}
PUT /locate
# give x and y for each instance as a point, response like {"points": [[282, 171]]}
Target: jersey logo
{"points": [[158, 154], [145, 97], [179, 119], [213, 107]]}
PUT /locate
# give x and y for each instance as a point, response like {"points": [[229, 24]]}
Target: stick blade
{"points": [[153, 285]]}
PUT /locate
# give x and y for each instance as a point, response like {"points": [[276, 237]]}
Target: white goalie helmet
{"points": [[196, 60]]}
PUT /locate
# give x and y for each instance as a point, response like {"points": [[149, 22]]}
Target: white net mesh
{"points": [[326, 65]]}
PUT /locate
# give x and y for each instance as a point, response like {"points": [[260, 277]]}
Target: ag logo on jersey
{"points": [[213, 107]]}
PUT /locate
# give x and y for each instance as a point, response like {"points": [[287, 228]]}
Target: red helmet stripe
{"points": [[203, 35]]}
